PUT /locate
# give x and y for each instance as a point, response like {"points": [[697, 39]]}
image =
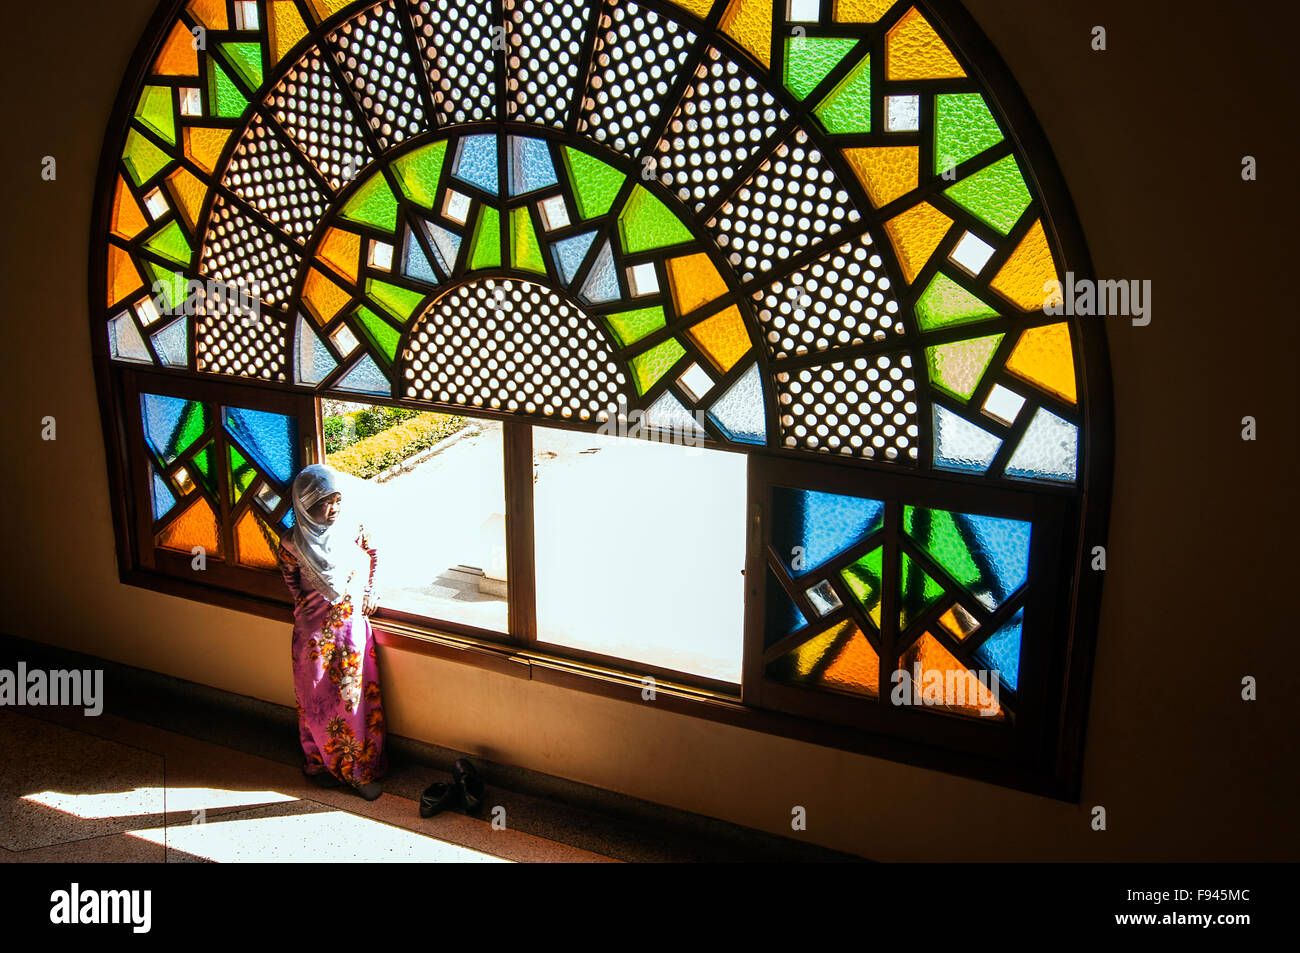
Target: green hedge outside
{"points": [[391, 446]]}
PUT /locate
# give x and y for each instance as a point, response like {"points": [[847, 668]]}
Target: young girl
{"points": [[329, 565]]}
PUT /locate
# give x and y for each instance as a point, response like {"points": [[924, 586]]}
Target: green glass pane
{"points": [[171, 286], [419, 171], [224, 96], [938, 532], [919, 591], [155, 111], [647, 223], [628, 327], [399, 302], [205, 463], [142, 158], [864, 581], [171, 244], [595, 184], [486, 251], [963, 127], [956, 368], [373, 204], [945, 303], [810, 59], [847, 107], [241, 474], [383, 334], [996, 194], [246, 60], [525, 251], [171, 425], [654, 363]]}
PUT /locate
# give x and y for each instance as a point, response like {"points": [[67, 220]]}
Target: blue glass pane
{"points": [[1049, 450], [570, 253], [530, 166], [272, 439], [1002, 651], [163, 498], [315, 362], [476, 162], [172, 344], [1004, 546], [172, 424], [783, 616], [739, 413], [366, 378], [960, 445], [602, 283], [446, 245], [988, 556], [417, 263], [819, 526], [287, 522]]}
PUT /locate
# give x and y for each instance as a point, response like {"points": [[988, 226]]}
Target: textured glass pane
{"points": [[996, 194], [986, 555], [823, 598], [595, 184], [847, 107], [902, 113], [809, 528], [957, 368], [373, 204], [205, 464], [694, 281], [783, 616], [918, 591], [127, 220], [628, 327], [1001, 653], [171, 243], [172, 344], [668, 414], [602, 281], [749, 23], [839, 659], [365, 378], [914, 51], [530, 166], [476, 162], [886, 172], [197, 526], [963, 127], [651, 365], [382, 334], [341, 251], [417, 263], [224, 97], [570, 253], [155, 111], [255, 542], [810, 59], [315, 362], [915, 235], [647, 223], [124, 341], [1044, 356], [418, 173], [946, 683], [1024, 275], [171, 425], [446, 245], [163, 498], [525, 251], [1049, 449], [246, 60], [958, 622], [143, 159], [1003, 405], [486, 250], [960, 445], [272, 439], [740, 413], [397, 301], [722, 338], [240, 475], [945, 303], [322, 297]]}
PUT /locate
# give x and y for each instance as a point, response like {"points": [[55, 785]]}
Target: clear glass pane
{"points": [[639, 549]]}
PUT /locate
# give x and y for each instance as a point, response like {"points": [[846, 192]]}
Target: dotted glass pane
{"points": [[275, 181], [863, 408], [455, 37], [371, 51], [310, 107], [543, 51]]}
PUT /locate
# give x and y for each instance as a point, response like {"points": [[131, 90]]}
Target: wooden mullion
{"points": [[521, 570]]}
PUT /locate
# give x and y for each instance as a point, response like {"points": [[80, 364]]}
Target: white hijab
{"points": [[330, 560]]}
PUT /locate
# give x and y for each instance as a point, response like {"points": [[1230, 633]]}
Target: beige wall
{"points": [[1150, 136]]}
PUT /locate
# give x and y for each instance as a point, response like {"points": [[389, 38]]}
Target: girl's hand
{"points": [[369, 604]]}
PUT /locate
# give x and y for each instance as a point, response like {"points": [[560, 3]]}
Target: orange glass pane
{"points": [[722, 338], [285, 27], [211, 13], [1025, 277], [694, 281], [1044, 356], [945, 683], [122, 275], [915, 234], [914, 51], [178, 56], [190, 192], [341, 251], [700, 8], [203, 146], [749, 23], [886, 172], [255, 542], [197, 526], [853, 664], [861, 11], [323, 298], [128, 219]]}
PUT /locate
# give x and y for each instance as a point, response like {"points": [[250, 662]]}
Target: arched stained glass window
{"points": [[819, 232]]}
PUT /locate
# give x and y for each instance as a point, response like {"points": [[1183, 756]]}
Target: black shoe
{"points": [[369, 791], [437, 797], [468, 785], [324, 779]]}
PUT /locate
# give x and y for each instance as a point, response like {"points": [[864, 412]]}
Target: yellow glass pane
{"points": [[323, 298], [861, 11], [856, 667], [190, 192], [915, 234], [1026, 275], [197, 526], [323, 9], [255, 542], [211, 13], [1044, 356], [285, 28], [749, 23], [700, 8], [178, 56], [128, 219], [341, 251], [945, 682], [695, 282], [886, 172], [203, 146], [958, 622], [122, 275], [722, 338], [914, 51]]}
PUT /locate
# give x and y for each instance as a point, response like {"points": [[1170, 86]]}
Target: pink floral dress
{"points": [[336, 676]]}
